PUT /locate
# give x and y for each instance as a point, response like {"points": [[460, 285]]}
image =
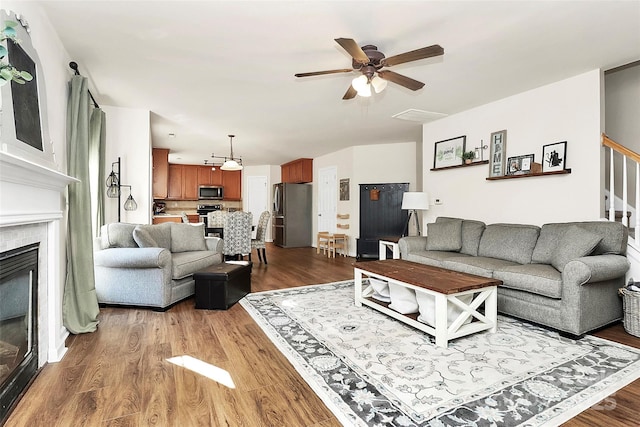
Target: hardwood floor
{"points": [[120, 376]]}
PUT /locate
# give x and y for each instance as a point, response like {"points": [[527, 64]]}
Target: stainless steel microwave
{"points": [[210, 192]]}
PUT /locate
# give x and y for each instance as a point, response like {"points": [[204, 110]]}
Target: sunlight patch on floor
{"points": [[203, 368]]}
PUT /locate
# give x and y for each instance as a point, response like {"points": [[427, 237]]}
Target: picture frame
{"points": [[344, 189], [448, 152], [520, 165], [497, 153], [554, 157]]}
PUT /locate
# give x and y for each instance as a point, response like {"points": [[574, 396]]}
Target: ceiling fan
{"points": [[370, 61]]}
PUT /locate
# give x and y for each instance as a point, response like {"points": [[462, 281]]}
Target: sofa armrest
{"points": [[595, 268], [133, 258], [214, 244], [411, 244]]}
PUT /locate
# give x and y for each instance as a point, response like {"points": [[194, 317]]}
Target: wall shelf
{"points": [[529, 175], [464, 165]]}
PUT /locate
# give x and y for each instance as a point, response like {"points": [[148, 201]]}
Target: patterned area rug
{"points": [[372, 370]]}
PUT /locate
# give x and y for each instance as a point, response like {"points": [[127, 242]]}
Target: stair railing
{"points": [[614, 147]]}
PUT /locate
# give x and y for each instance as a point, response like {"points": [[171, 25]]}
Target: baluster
{"points": [[612, 192], [625, 219]]}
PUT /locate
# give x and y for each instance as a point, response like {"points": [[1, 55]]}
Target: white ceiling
{"points": [[206, 69]]}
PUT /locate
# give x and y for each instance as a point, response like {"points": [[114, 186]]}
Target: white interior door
{"points": [[258, 200], [327, 199]]}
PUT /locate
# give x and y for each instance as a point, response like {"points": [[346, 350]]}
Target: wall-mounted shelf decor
{"points": [[343, 226], [343, 216], [529, 175], [481, 162]]}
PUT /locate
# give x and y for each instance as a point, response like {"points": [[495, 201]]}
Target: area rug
{"points": [[371, 370]]}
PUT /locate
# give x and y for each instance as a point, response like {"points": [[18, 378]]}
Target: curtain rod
{"points": [[74, 67]]}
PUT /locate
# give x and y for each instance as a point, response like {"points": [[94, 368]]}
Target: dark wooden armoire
{"points": [[381, 216]]}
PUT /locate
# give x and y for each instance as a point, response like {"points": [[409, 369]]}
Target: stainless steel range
{"points": [[203, 210]]}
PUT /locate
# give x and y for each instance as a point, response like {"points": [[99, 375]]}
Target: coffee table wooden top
{"points": [[425, 276]]}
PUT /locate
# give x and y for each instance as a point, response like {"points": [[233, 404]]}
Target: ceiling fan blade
{"points": [[405, 81], [354, 50], [319, 73], [414, 55], [350, 93]]}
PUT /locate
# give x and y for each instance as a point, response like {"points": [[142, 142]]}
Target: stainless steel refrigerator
{"points": [[292, 215]]}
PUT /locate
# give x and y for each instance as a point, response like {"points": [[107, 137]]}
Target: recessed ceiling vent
{"points": [[419, 116]]}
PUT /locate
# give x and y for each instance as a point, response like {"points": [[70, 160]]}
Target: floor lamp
{"points": [[414, 201]]}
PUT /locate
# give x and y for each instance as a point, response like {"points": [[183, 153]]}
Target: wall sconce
{"points": [[113, 189]]}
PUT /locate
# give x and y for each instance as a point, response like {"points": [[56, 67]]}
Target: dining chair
{"points": [[237, 234], [216, 220], [261, 231]]}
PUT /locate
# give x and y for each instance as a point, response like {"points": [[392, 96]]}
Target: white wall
{"points": [[365, 164], [128, 136], [569, 110], [272, 173]]}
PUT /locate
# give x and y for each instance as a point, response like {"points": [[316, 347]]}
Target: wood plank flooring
{"points": [[120, 376]]}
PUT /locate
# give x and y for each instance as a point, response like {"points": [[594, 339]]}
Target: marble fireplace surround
{"points": [[32, 199]]}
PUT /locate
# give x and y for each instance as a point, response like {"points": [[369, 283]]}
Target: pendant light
{"points": [[230, 163]]}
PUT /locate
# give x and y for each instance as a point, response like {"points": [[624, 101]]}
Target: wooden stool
{"points": [[338, 241]]}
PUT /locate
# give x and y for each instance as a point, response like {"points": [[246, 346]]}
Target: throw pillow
{"points": [[444, 236], [575, 243], [143, 238], [117, 235], [160, 233], [187, 237]]}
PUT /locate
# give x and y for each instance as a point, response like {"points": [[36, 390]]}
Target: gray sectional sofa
{"points": [[563, 275], [151, 265]]}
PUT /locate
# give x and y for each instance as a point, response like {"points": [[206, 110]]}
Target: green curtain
{"points": [[97, 143], [80, 303]]}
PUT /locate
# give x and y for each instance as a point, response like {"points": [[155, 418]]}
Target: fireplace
{"points": [[18, 323]]}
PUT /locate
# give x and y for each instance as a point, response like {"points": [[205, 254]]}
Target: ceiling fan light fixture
{"points": [[365, 91], [360, 82], [378, 84]]}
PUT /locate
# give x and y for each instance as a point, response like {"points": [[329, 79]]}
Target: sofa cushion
{"points": [[186, 263], [541, 279], [117, 235], [614, 238], [444, 236], [143, 238], [471, 233], [187, 237], [480, 266], [511, 242], [576, 242], [158, 233]]}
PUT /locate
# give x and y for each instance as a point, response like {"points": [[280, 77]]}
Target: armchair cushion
{"points": [[187, 237], [444, 236], [575, 243]]}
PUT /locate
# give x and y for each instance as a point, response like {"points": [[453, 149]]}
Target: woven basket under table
{"points": [[631, 308]]}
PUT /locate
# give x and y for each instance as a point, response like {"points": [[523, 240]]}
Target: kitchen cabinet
{"points": [[206, 176], [183, 181], [160, 172], [297, 171], [159, 219], [232, 183], [174, 189]]}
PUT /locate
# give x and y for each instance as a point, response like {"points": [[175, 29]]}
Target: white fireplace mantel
{"points": [[34, 194]]}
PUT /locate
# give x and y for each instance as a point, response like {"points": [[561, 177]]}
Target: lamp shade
{"points": [[231, 165], [415, 200]]}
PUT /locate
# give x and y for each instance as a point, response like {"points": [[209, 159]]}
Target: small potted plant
{"points": [[468, 156]]}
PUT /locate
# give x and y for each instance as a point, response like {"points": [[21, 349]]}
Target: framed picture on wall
{"points": [[554, 156], [520, 165], [449, 152], [344, 189], [497, 156]]}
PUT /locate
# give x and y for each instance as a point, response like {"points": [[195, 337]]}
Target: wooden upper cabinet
{"points": [[174, 190], [297, 171], [184, 180], [232, 183], [190, 182], [160, 172]]}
